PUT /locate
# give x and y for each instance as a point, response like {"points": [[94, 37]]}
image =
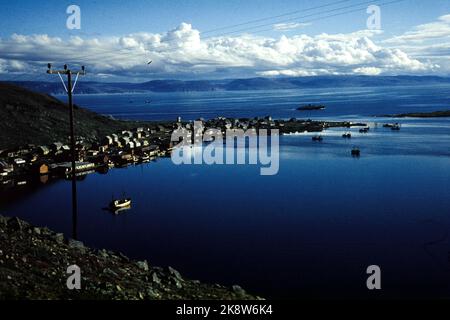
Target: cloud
{"points": [[429, 31], [368, 71], [289, 26], [182, 53]]}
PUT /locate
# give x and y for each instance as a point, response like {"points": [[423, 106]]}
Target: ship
{"points": [[310, 107]]}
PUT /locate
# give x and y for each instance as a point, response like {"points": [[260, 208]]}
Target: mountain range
{"points": [[90, 87]]}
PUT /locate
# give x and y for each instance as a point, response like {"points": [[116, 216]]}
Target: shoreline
{"points": [[26, 164], [34, 262], [432, 114]]}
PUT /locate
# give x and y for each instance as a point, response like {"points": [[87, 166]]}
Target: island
{"points": [[310, 107], [432, 114]]}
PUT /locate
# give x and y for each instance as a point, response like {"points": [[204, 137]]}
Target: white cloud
{"points": [[368, 71], [429, 31], [289, 26], [182, 53]]}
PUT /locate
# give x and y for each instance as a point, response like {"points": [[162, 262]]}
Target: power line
{"points": [[301, 17], [247, 23], [273, 17], [114, 55], [69, 89], [126, 50], [111, 55], [338, 14]]}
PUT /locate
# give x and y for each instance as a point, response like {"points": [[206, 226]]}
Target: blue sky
{"points": [[136, 30], [116, 17]]}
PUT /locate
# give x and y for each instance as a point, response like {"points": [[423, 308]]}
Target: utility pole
{"points": [[69, 89]]}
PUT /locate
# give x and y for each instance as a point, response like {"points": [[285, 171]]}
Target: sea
{"points": [[310, 231]]}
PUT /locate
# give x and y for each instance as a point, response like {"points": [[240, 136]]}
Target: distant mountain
{"points": [[28, 117], [238, 84]]}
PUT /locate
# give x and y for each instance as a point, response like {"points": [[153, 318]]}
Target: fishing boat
{"points": [[120, 203], [364, 130], [117, 211], [356, 152], [347, 135]]}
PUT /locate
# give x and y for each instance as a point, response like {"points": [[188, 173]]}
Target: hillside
{"points": [[36, 258], [32, 118]]}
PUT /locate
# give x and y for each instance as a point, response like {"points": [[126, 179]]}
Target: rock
{"points": [[110, 273], [103, 253], [3, 220], [58, 237], [175, 273], [142, 265], [123, 257], [152, 294], [238, 290], [75, 244], [155, 278], [177, 283], [46, 231], [17, 224], [37, 230]]}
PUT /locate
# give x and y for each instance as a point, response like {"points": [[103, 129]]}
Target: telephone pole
{"points": [[69, 89]]}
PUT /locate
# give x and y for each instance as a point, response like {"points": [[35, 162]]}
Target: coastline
{"points": [[25, 164], [34, 261], [433, 114]]}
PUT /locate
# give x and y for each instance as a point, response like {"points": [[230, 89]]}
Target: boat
{"points": [[347, 135], [395, 127], [317, 138], [364, 130], [120, 203], [356, 152], [117, 211], [310, 107]]}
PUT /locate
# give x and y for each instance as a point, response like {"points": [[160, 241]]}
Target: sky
{"points": [[212, 39]]}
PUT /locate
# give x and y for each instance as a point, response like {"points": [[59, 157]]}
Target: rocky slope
{"points": [[27, 117], [34, 261]]}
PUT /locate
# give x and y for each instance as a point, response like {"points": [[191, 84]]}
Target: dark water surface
{"points": [[310, 230]]}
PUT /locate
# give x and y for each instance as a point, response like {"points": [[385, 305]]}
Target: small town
{"points": [[143, 144]]}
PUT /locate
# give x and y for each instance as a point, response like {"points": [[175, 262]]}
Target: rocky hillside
{"points": [[34, 261], [27, 117]]}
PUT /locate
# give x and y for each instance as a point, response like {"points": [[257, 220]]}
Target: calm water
{"points": [[311, 230]]}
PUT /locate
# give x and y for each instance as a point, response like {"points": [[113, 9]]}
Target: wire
{"points": [[273, 17], [115, 54], [111, 55], [126, 50]]}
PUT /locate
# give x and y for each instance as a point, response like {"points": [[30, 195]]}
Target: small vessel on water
{"points": [[309, 107], [317, 138], [364, 130], [395, 127], [356, 152], [347, 135], [120, 204]]}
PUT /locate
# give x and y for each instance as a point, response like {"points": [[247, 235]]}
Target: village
{"points": [[22, 165]]}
